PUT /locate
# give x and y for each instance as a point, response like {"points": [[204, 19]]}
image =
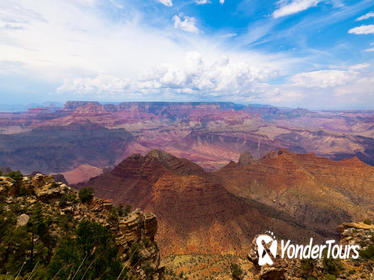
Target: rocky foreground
{"points": [[49, 231]]}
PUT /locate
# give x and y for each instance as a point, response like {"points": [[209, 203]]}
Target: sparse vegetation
{"points": [[17, 176], [331, 266], [33, 249], [67, 198], [91, 254], [367, 221], [148, 270], [330, 277], [134, 254], [236, 272], [86, 194], [38, 240], [127, 210], [368, 253], [307, 267]]}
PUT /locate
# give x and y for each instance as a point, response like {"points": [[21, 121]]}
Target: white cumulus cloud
{"points": [[185, 23], [101, 84], [200, 75], [323, 78], [202, 2], [287, 8], [89, 55], [345, 87], [168, 3], [362, 30], [366, 16]]}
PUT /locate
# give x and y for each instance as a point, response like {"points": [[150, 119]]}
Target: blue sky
{"points": [[316, 54]]}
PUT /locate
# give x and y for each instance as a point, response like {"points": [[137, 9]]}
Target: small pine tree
{"points": [[367, 221], [331, 266], [86, 195], [236, 272], [368, 253], [127, 209], [17, 176], [37, 222]]}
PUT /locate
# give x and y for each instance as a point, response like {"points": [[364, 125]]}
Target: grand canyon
{"points": [[214, 174], [211, 135], [186, 140]]}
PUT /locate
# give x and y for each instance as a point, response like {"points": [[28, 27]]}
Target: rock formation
{"points": [[57, 200], [316, 192], [196, 213]]}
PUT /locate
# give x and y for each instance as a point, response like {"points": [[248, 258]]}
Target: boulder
{"points": [[22, 220], [5, 183], [46, 188]]}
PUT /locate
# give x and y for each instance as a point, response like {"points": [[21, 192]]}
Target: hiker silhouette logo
{"points": [[266, 246]]}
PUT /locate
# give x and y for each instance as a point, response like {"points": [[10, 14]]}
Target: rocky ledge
{"points": [[133, 231]]}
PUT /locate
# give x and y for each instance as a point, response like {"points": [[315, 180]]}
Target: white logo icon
{"points": [[262, 242]]}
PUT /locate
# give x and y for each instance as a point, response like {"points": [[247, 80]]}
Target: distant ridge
{"points": [[210, 134]]}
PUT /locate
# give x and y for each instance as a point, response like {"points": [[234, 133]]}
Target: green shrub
{"points": [[127, 210], [37, 222], [134, 254], [120, 210], [236, 271], [86, 194], [330, 277], [66, 198], [66, 223], [86, 250], [113, 217], [368, 254], [17, 176], [307, 266], [148, 270], [332, 266], [367, 221], [93, 254]]}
